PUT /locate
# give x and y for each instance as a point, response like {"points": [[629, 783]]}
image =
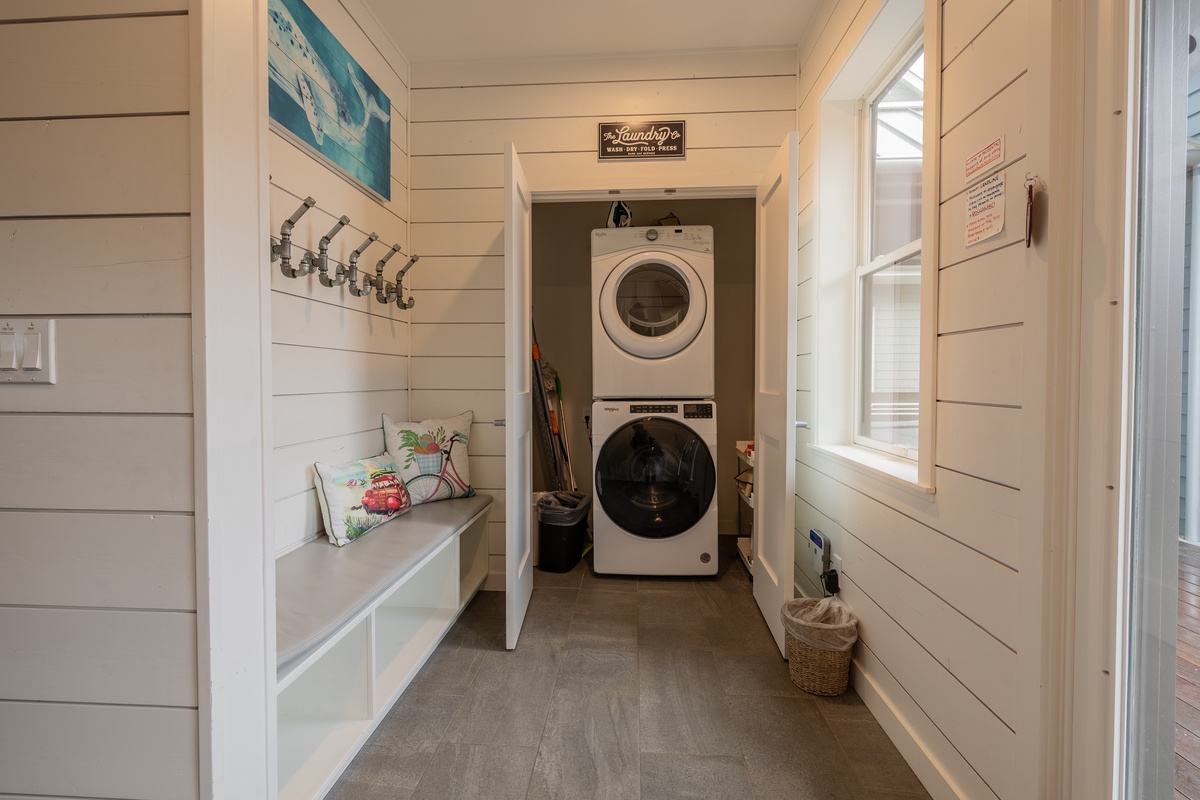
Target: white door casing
{"points": [[775, 385], [518, 397]]}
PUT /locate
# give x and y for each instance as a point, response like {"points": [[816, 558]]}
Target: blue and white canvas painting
{"points": [[321, 98]]}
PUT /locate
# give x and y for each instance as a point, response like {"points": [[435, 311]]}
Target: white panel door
{"points": [[775, 386], [518, 399]]}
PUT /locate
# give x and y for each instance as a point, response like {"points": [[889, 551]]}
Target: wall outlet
{"points": [[837, 563]]}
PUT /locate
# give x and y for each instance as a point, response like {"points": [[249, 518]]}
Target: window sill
{"points": [[894, 471]]}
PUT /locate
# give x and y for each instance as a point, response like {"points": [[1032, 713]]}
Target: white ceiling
{"points": [[460, 30]]}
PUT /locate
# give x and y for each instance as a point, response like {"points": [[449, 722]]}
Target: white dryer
{"points": [[655, 509], [652, 312]]}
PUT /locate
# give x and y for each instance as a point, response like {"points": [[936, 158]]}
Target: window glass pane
{"points": [[891, 354], [897, 122], [652, 299]]}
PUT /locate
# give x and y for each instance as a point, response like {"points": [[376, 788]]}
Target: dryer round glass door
{"points": [[652, 305], [655, 477]]}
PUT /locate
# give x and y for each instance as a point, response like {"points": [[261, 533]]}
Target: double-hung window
{"points": [[888, 280]]}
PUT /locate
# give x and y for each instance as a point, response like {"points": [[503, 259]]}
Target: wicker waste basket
{"points": [[820, 636]]}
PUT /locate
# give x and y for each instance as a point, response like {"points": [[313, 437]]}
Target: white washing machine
{"points": [[655, 509], [652, 312]]}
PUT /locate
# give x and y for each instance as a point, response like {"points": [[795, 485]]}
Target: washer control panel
{"points": [[654, 409], [697, 410]]}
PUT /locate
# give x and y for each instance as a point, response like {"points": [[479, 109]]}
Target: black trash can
{"points": [[562, 530]]}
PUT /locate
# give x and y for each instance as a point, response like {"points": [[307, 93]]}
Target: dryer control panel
{"points": [[697, 410], [643, 408]]}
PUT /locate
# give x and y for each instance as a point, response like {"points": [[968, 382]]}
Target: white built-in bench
{"points": [[354, 624]]}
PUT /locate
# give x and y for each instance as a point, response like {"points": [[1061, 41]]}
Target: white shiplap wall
{"points": [[98, 666], [738, 107], [338, 361], [947, 588]]}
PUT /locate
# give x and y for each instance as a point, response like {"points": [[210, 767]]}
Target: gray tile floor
{"points": [[623, 688]]}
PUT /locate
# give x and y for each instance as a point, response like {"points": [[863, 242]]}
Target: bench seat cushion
{"points": [[319, 588]]}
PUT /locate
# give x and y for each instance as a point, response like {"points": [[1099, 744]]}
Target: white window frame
{"points": [[898, 30]]}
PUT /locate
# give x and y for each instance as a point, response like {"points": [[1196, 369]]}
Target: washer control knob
{"points": [[651, 235]]}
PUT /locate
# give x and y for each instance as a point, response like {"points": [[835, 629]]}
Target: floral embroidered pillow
{"points": [[432, 455], [359, 496]]}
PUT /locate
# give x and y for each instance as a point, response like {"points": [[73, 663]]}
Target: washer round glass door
{"points": [[652, 305], [655, 477]]}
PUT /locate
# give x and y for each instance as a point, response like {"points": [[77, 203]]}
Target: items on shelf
{"points": [[386, 292]]}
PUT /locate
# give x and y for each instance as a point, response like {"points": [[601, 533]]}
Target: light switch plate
{"points": [[49, 371]]}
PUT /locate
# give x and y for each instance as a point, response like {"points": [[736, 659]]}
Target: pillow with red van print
{"points": [[359, 496]]}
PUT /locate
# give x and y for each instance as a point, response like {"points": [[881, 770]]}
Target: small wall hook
{"points": [[321, 262], [384, 291], [282, 252], [401, 303], [351, 272]]}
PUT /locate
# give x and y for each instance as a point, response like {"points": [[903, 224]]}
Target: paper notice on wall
{"points": [[985, 209], [992, 153]]}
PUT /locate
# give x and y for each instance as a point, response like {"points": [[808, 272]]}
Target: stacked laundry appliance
{"points": [[654, 422]]}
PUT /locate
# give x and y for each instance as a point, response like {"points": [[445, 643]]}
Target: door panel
{"points": [[775, 385], [518, 397]]}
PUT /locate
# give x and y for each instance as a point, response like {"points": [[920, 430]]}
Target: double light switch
{"points": [[27, 351]]}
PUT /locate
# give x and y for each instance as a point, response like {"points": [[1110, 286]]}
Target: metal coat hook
{"points": [[384, 291], [282, 252], [400, 301], [351, 271], [321, 262]]}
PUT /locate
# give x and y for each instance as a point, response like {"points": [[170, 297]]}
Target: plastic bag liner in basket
{"points": [[820, 634]]}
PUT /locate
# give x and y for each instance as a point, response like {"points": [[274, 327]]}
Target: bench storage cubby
{"points": [[354, 624]]}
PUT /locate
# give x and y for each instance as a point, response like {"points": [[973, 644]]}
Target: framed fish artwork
{"points": [[323, 101]]}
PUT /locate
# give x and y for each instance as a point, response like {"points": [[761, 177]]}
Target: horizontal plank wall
{"points": [[946, 586], [98, 689], [338, 361], [738, 107]]}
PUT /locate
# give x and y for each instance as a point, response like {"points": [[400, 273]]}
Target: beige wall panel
{"points": [[980, 440], [99, 751], [982, 366], [457, 373], [979, 514], [292, 467], [113, 266], [963, 20], [297, 519], [561, 172], [71, 655], [497, 538], [953, 229], [458, 272], [806, 185], [805, 222], [95, 67], [298, 321], [308, 289], [62, 462], [303, 418], [458, 339], [807, 155], [603, 98], [804, 335], [975, 658], [632, 67], [312, 370], [986, 66], [296, 175], [486, 439], [461, 205], [467, 137], [459, 238], [475, 306], [46, 9], [1003, 117], [135, 364], [487, 404], [804, 411], [982, 739], [487, 471], [804, 371], [120, 165], [805, 292], [805, 269], [981, 589], [984, 292], [98, 560]]}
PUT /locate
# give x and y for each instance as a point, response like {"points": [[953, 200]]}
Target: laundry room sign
{"points": [[622, 140]]}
